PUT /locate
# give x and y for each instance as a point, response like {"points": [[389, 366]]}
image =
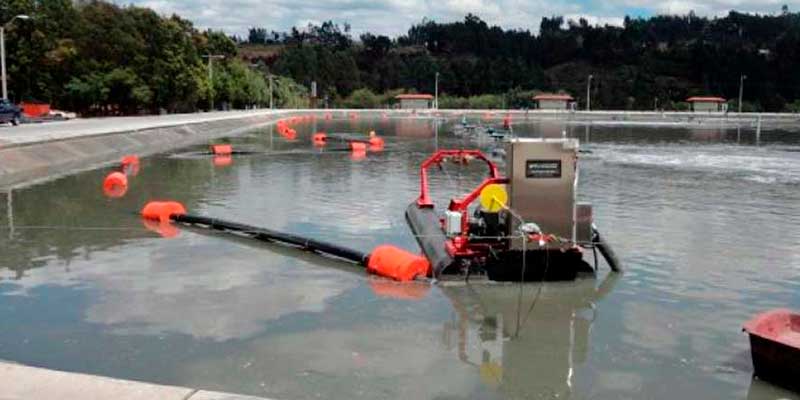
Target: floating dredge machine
{"points": [[527, 224], [526, 227]]}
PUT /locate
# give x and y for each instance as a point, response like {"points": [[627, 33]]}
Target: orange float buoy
{"points": [[376, 147], [289, 134], [507, 122], [162, 211], [115, 185], [130, 159], [320, 137], [130, 164], [398, 264], [221, 149]]}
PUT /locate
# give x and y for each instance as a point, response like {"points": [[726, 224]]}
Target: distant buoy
{"points": [[130, 164], [375, 148], [290, 134], [320, 137], [115, 185], [162, 210], [221, 149]]}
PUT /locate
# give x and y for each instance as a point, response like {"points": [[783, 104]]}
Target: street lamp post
{"points": [[589, 93], [211, 58], [436, 93], [741, 90], [3, 52]]}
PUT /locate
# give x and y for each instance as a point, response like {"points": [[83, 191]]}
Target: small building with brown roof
{"points": [[550, 101], [414, 101], [707, 103]]}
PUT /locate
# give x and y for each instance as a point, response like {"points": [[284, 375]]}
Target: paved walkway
{"points": [[19, 382], [34, 133]]}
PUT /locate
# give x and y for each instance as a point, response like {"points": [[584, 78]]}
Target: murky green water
{"points": [[704, 220]]}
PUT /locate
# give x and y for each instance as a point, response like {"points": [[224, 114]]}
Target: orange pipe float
{"points": [[130, 164], [320, 137], [398, 264], [115, 185], [221, 149], [162, 211]]}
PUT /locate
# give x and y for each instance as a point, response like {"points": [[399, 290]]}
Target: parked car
{"points": [[9, 112]]}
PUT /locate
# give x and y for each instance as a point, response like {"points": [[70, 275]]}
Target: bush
{"points": [[486, 102], [362, 98], [793, 107]]}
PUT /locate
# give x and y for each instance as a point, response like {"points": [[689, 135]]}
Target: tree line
{"points": [[97, 58], [647, 63]]}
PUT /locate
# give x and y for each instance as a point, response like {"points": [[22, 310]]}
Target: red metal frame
{"points": [[424, 199], [458, 246]]}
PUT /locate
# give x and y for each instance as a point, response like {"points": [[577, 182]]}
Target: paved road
{"points": [[33, 133]]}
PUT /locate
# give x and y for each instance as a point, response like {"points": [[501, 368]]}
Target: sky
{"points": [[394, 17]]}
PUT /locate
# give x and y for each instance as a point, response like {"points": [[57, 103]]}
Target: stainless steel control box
{"points": [[543, 179]]}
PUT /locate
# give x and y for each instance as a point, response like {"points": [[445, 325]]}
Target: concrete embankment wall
{"points": [[30, 162], [21, 382]]}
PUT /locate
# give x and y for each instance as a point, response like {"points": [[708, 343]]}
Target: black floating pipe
{"points": [[606, 251], [268, 235]]}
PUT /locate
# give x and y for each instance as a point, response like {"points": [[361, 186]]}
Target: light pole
{"points": [[3, 51], [211, 58], [741, 90], [436, 93], [589, 93]]}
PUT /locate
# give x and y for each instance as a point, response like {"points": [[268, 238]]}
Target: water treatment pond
{"points": [[705, 221]]}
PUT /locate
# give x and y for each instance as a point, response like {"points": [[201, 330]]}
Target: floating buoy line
{"points": [[385, 260], [449, 244]]}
